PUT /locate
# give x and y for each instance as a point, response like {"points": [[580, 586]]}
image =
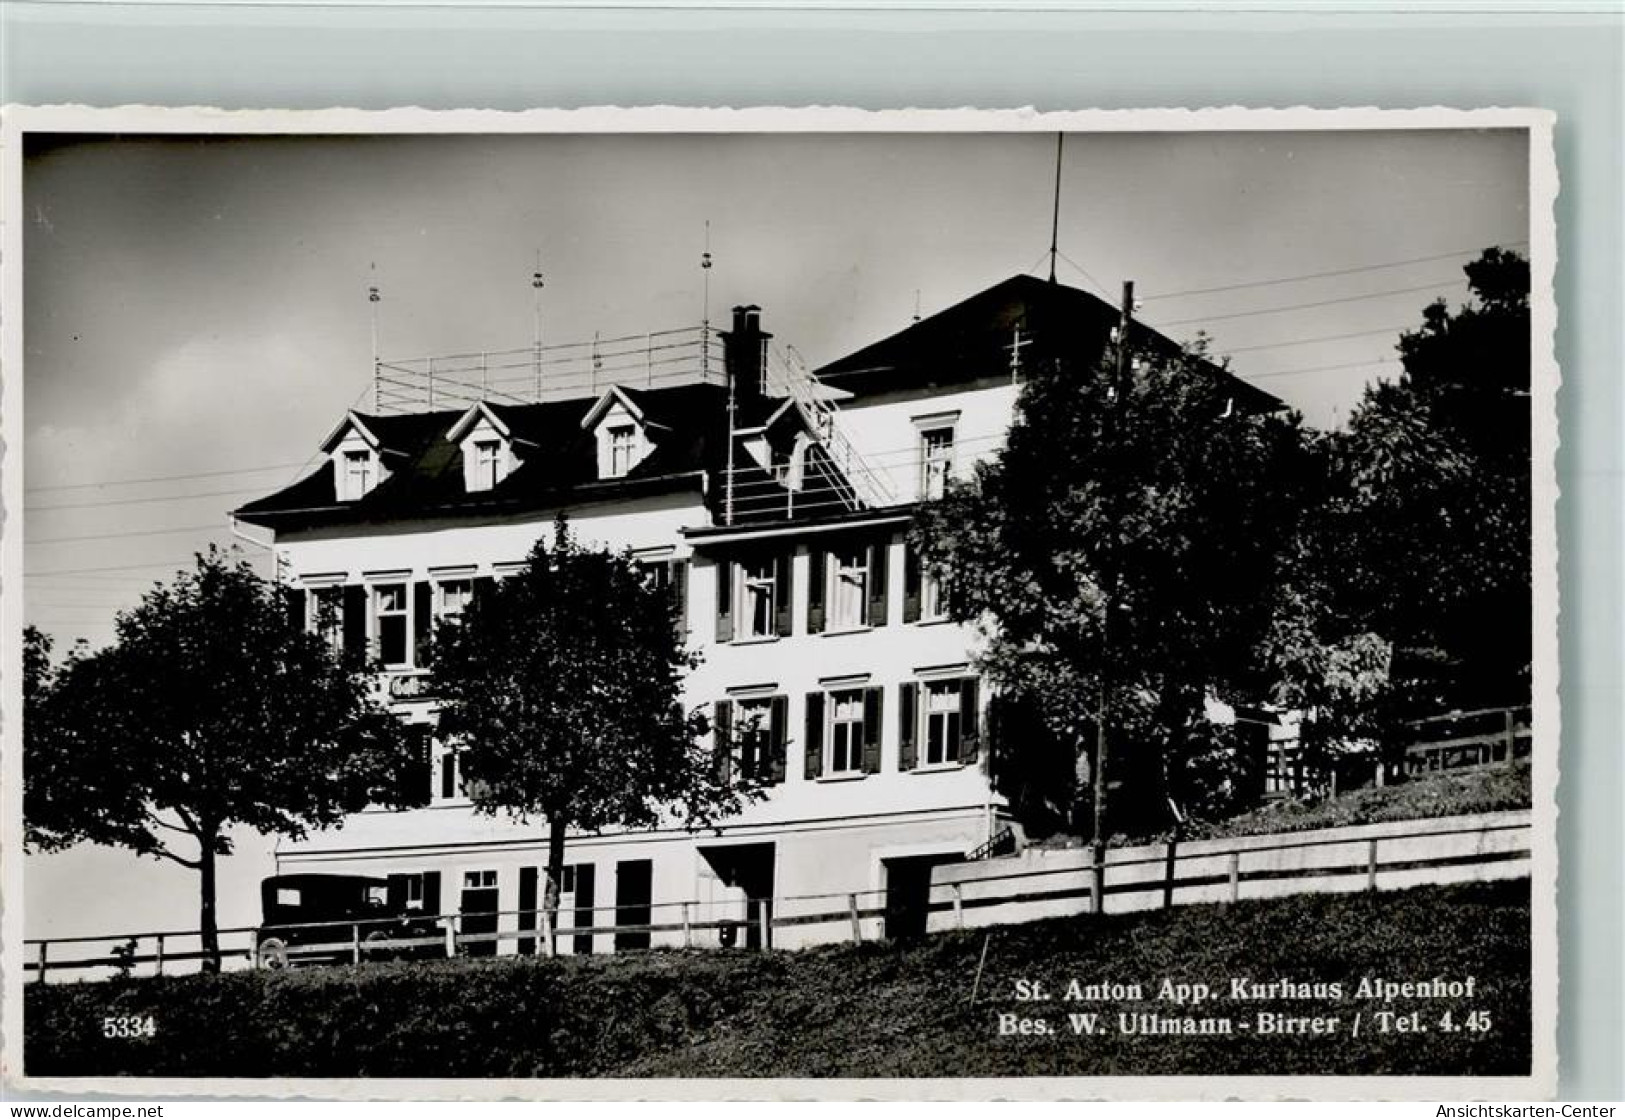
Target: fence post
{"points": [[1094, 896], [1511, 734], [1168, 874], [688, 931], [43, 947], [764, 922], [857, 926], [1371, 864], [355, 942], [959, 905], [451, 935], [1235, 876], [159, 955]]}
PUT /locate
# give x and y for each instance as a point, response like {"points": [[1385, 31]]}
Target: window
{"points": [[451, 777], [757, 599], [357, 479], [451, 596], [755, 737], [479, 880], [849, 588], [933, 596], [487, 464], [287, 896], [845, 732], [942, 722], [390, 611], [936, 461], [414, 892], [326, 609], [621, 442]]}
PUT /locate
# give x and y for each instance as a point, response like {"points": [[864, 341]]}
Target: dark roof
{"points": [[971, 342]]}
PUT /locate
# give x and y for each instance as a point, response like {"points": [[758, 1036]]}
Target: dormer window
{"points": [[487, 463], [622, 446], [357, 475]]}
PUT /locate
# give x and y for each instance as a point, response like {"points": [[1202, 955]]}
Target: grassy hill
{"points": [[872, 1010]]}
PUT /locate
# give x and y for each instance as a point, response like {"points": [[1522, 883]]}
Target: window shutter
{"points": [[816, 559], [422, 616], [395, 893], [873, 710], [778, 731], [722, 740], [877, 582], [527, 909], [725, 600], [783, 593], [911, 583], [969, 720], [448, 773], [482, 586], [355, 619], [679, 594], [296, 608], [431, 893], [417, 775], [813, 750], [908, 697]]}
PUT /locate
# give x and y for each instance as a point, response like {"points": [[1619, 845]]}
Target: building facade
{"points": [[774, 503]]}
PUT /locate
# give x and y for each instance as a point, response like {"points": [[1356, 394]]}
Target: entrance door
{"points": [[748, 867], [634, 879], [908, 893], [479, 912]]}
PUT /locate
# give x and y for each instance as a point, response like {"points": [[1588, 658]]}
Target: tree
{"points": [[1422, 540], [212, 709], [561, 686], [1122, 549]]}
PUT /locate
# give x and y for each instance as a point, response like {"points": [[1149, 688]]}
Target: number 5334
{"points": [[129, 1026]]}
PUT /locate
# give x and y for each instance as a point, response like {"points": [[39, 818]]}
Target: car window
{"points": [[287, 896]]}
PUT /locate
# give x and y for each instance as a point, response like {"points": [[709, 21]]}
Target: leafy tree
{"points": [[1421, 544], [212, 709], [562, 687], [1123, 551]]}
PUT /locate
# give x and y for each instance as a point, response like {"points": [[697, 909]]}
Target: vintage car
{"points": [[295, 909]]}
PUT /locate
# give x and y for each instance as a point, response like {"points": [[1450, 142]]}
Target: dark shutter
{"points": [[778, 734], [783, 594], [586, 884], [725, 600], [355, 619], [395, 893], [527, 909], [481, 586], [911, 583], [296, 608], [679, 594], [448, 773], [431, 893], [722, 740], [416, 785], [813, 749], [969, 720], [908, 715], [873, 711], [422, 615], [816, 559], [877, 583]]}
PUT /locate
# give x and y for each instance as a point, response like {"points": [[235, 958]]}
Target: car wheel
{"points": [[273, 954], [370, 946]]}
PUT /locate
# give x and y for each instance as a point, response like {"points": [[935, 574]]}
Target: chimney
{"points": [[746, 349]]}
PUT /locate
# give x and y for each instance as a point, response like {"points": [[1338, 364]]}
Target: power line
{"points": [[1322, 338], [1316, 303], [141, 533], [1316, 369], [146, 501], [157, 478], [1324, 275]]}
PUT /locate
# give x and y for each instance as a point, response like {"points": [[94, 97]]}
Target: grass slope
{"points": [[872, 1010]]}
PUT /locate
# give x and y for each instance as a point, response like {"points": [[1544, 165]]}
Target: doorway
{"points": [[478, 912], [749, 868], [634, 880], [908, 892]]}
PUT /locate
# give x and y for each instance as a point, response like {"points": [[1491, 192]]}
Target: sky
{"points": [[196, 316]]}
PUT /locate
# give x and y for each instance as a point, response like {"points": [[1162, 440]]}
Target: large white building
{"points": [[774, 503]]}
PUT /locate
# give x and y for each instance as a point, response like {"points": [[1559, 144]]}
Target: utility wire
{"points": [[1316, 303], [147, 501], [1323, 275], [156, 478], [139, 533]]}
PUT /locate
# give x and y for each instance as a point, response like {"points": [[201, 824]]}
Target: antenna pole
{"points": [[1055, 216], [536, 344], [705, 307], [377, 367]]}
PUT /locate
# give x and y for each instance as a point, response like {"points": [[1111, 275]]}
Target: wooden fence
{"points": [[1457, 740], [1010, 889]]}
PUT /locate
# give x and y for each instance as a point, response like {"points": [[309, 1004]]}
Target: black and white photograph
{"points": [[995, 604]]}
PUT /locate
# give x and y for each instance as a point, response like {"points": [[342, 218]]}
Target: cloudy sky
{"points": [[196, 318]]}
